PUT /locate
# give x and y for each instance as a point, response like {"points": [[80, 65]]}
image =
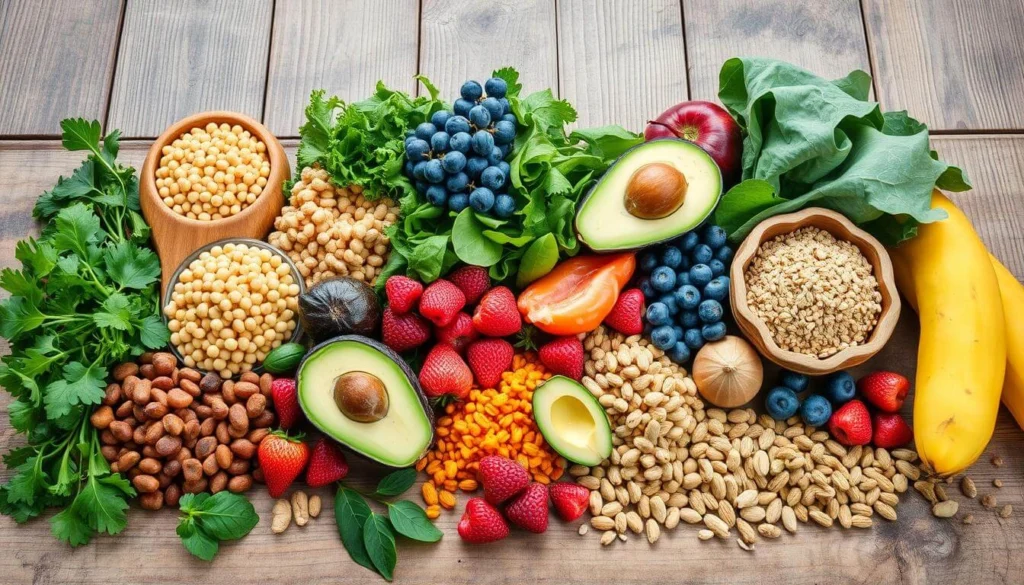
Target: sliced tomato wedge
{"points": [[578, 294]]}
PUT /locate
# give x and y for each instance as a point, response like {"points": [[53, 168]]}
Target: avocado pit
{"points": [[361, 397], [655, 190]]}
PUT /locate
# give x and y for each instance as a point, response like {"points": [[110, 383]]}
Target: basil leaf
{"points": [[350, 513], [227, 516], [396, 483], [411, 521], [380, 544], [539, 259], [470, 244], [196, 541]]}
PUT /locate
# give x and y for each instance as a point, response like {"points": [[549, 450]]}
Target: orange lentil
{"points": [[433, 511], [492, 421]]}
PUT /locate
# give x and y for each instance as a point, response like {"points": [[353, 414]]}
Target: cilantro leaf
{"points": [[115, 313], [76, 228], [130, 266], [102, 502], [80, 385], [67, 526], [80, 134], [154, 332], [18, 315]]}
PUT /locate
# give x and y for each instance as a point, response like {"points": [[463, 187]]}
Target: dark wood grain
{"points": [[467, 39], [185, 57], [825, 36], [633, 51], [56, 61], [342, 46], [955, 64]]}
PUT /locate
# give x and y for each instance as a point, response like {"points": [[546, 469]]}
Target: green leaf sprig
{"points": [[207, 520]]}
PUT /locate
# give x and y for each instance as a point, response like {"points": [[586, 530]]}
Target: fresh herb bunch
{"points": [[207, 520], [369, 537], [86, 298]]}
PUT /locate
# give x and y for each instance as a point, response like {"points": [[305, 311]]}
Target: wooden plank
{"points": [[954, 64], [825, 36], [621, 63], [341, 46], [56, 60], [181, 58], [467, 39]]}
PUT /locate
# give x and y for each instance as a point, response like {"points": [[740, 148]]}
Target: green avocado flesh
{"points": [[572, 421], [603, 222], [403, 433]]}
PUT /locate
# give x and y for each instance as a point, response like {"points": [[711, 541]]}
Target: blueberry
{"points": [[679, 331], [504, 205], [710, 311], [717, 268], [702, 254], [679, 353], [690, 319], [670, 301], [663, 279], [458, 201], [475, 165], [724, 255], [840, 388], [688, 297], [459, 142], [781, 403], [482, 143], [658, 314], [416, 149], [433, 172], [495, 87], [463, 106], [504, 132], [453, 162], [471, 90], [496, 156], [648, 261], [505, 168], [481, 199], [815, 411], [693, 339], [509, 118], [688, 242], [421, 187], [494, 107], [717, 289], [671, 257], [700, 275], [646, 288], [505, 149], [683, 277], [684, 264], [492, 178], [663, 337], [457, 124], [439, 118], [457, 183], [439, 142], [480, 117], [425, 130], [506, 106], [713, 332], [417, 170], [795, 381], [408, 167], [437, 195], [714, 236]]}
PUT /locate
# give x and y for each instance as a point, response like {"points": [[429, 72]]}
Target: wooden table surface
{"points": [[139, 65]]}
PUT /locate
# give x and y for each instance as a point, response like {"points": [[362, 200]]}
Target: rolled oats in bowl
{"points": [[816, 294]]}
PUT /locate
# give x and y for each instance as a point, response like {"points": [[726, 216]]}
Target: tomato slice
{"points": [[578, 294]]}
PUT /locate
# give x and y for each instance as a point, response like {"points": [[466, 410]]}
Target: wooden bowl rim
{"points": [[751, 324], [275, 151]]}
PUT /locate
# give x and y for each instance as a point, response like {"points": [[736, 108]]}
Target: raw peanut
{"points": [[240, 483], [264, 420], [220, 408], [210, 382], [102, 418], [195, 487], [173, 425], [256, 436], [141, 391], [207, 427], [154, 410], [124, 410], [152, 500], [172, 495], [122, 371], [266, 382], [222, 434], [158, 395], [121, 431], [149, 451], [164, 363], [205, 446], [192, 469], [165, 480], [219, 482], [300, 508], [146, 358], [167, 446], [238, 467], [243, 448], [246, 390], [210, 466], [202, 411], [189, 387], [315, 505], [138, 414], [234, 433], [178, 398], [172, 468], [257, 475], [164, 383], [147, 371], [255, 406], [128, 460], [112, 395], [149, 465], [227, 392], [109, 452], [190, 375], [224, 456], [250, 377], [946, 509], [145, 484], [281, 516]]}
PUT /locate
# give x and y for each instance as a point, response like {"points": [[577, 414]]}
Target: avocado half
{"points": [[363, 395], [604, 219], [572, 421]]}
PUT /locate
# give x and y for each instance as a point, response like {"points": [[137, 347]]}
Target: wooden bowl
{"points": [[757, 332], [176, 236]]}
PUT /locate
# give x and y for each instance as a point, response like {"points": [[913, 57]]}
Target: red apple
{"points": [[707, 125]]}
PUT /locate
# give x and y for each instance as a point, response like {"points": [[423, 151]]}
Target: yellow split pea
{"points": [[213, 172], [230, 307]]}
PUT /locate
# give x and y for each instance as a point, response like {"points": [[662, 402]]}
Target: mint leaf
{"points": [[350, 513], [80, 385], [115, 313], [411, 521], [396, 483], [380, 544]]}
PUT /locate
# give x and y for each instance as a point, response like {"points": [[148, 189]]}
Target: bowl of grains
{"points": [[813, 292], [229, 303]]}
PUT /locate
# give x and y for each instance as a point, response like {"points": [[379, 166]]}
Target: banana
{"points": [[946, 274], [1013, 308]]}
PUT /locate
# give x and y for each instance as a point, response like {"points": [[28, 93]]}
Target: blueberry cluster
{"points": [[457, 159], [783, 401], [687, 291]]}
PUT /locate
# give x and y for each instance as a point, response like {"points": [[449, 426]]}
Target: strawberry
{"points": [[851, 424], [326, 464], [282, 459], [570, 499], [627, 314], [502, 478], [891, 430], [441, 302], [403, 332], [473, 281], [458, 334], [497, 314], [563, 355], [481, 523], [403, 293], [488, 358], [529, 511], [885, 390], [286, 402], [444, 372]]}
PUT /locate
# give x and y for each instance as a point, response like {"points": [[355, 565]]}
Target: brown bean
{"points": [[257, 475], [121, 430], [189, 386], [264, 420], [172, 468], [243, 390], [202, 411], [150, 465], [149, 451], [208, 427], [109, 452], [139, 434], [224, 456], [190, 375], [114, 468], [138, 413], [141, 391], [168, 446], [239, 466], [122, 371], [210, 382], [172, 495], [146, 371], [165, 480], [155, 410], [219, 482], [112, 395], [240, 483], [145, 483], [266, 385], [195, 487], [255, 406], [186, 414], [174, 425], [146, 358], [234, 433], [256, 436], [243, 448], [227, 391], [164, 363], [152, 501], [164, 383], [238, 418], [159, 395], [125, 410], [220, 408], [128, 460], [174, 376], [155, 432], [133, 473], [222, 433], [192, 469], [210, 465], [250, 377], [178, 398], [205, 446], [102, 417]]}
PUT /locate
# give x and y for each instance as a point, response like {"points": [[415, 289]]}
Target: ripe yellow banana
{"points": [[1013, 308]]}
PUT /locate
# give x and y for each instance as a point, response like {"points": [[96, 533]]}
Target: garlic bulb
{"points": [[728, 373]]}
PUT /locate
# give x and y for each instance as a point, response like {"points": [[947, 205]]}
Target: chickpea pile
{"points": [[329, 231], [230, 307], [213, 172]]}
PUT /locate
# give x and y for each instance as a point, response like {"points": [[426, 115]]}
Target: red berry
{"points": [[497, 314], [403, 293], [891, 430], [489, 358], [403, 332], [627, 314], [884, 390], [563, 356], [327, 464], [501, 478], [473, 281], [529, 510], [851, 424], [282, 459], [481, 523], [459, 333], [570, 499], [441, 302], [444, 372], [286, 402]]}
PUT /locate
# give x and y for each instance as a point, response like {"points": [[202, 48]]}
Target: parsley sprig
{"points": [[85, 298]]}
